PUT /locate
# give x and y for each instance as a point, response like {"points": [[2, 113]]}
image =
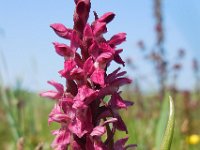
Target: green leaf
{"points": [[168, 135], [162, 121]]}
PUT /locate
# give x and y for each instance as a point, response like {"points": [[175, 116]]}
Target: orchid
{"points": [[80, 107]]}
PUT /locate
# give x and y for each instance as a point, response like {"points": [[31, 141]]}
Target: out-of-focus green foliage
{"points": [[30, 113]]}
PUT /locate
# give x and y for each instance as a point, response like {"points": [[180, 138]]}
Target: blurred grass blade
{"points": [[9, 115], [167, 138], [162, 121]]}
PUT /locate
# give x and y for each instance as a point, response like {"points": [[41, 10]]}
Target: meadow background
{"points": [[28, 60]]}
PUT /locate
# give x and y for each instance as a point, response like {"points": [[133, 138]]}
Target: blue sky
{"points": [[26, 38]]}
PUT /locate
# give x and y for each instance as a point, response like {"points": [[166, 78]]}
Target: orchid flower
{"points": [[80, 109]]}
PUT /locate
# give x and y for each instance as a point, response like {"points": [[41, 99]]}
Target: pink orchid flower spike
{"points": [[83, 114]]}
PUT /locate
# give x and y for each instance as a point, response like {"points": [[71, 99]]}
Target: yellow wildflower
{"points": [[193, 139]]}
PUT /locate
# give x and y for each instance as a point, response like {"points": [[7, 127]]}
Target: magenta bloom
{"points": [[80, 107]]}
